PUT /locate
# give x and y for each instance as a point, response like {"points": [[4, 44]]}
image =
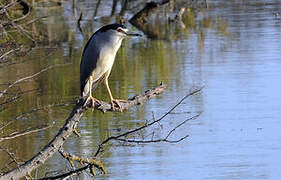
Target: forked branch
{"points": [[118, 137], [69, 127], [122, 138]]}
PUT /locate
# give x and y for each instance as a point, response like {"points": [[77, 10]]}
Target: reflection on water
{"points": [[231, 48]]}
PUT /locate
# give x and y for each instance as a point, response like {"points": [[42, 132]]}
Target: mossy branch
{"points": [[92, 162]]}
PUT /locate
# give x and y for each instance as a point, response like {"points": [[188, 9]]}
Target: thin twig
{"points": [[26, 6], [83, 160], [146, 125], [34, 20], [7, 53], [3, 9], [68, 174], [182, 123], [5, 125], [160, 139]]}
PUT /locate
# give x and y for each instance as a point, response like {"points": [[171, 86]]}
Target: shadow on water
{"points": [[230, 47]]}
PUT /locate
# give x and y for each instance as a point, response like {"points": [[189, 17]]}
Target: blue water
{"points": [[231, 49]]}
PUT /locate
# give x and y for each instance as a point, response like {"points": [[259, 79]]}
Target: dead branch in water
{"points": [[140, 18], [149, 7], [69, 127]]}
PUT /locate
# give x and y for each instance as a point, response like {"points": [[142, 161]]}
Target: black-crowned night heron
{"points": [[97, 60]]}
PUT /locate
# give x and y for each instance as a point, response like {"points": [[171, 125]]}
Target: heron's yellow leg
{"points": [[90, 97], [112, 100]]}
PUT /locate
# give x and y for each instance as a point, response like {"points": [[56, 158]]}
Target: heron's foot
{"points": [[94, 100], [117, 102]]}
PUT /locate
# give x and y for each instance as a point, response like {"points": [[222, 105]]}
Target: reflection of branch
{"points": [[16, 96], [79, 23], [11, 155], [178, 18], [28, 131], [97, 7], [140, 18], [150, 33], [21, 116], [148, 124], [26, 78], [57, 142], [23, 79], [124, 8], [149, 7]]}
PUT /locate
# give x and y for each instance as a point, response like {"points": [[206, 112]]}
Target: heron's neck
{"points": [[110, 43]]}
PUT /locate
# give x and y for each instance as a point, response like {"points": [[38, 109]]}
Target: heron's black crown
{"points": [[110, 26]]}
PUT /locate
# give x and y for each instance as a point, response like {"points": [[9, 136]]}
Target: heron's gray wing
{"points": [[88, 63]]}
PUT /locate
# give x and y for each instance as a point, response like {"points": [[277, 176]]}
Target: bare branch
{"points": [[152, 141], [68, 174], [9, 52], [83, 160], [5, 125], [147, 124], [3, 9], [34, 20], [182, 123], [160, 139], [136, 100], [71, 123]]}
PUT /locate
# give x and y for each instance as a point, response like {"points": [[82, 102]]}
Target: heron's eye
{"points": [[119, 30]]}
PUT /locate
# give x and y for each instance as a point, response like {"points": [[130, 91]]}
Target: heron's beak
{"points": [[133, 34]]}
